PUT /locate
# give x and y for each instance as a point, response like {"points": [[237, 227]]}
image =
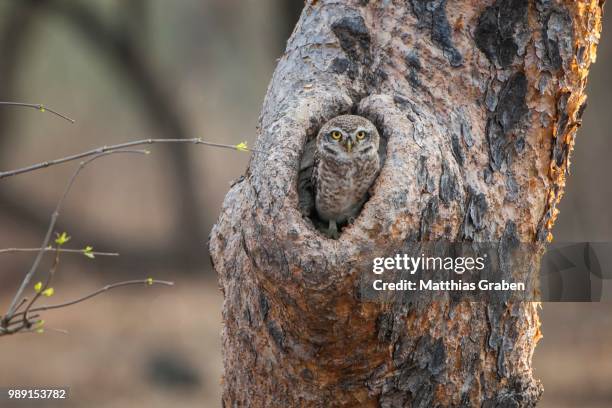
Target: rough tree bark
{"points": [[479, 102]]}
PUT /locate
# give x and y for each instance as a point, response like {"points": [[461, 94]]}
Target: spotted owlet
{"points": [[346, 164]]}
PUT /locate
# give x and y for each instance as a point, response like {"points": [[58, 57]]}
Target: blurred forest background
{"points": [[134, 69]]}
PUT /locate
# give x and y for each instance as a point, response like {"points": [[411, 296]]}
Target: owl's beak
{"points": [[349, 145]]}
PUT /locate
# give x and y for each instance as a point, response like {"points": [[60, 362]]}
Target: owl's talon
{"points": [[333, 230]]}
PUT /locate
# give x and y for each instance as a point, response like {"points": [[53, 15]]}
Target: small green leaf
{"points": [[48, 292], [242, 147], [38, 326], [62, 238], [88, 252], [38, 287]]}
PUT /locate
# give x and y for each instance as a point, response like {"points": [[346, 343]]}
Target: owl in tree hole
{"points": [[346, 163]]}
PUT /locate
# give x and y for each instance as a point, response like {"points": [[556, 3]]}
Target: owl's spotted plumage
{"points": [[346, 165]]}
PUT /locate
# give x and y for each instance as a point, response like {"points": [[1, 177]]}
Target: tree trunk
{"points": [[478, 102]]}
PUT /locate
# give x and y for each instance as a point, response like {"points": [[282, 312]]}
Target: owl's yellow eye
{"points": [[361, 135], [336, 135]]}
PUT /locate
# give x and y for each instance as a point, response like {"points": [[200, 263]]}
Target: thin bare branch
{"points": [[106, 149], [19, 326], [147, 282], [23, 302], [20, 323], [38, 107], [54, 217], [50, 249], [42, 289]]}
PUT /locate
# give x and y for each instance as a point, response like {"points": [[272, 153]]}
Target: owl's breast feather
{"points": [[342, 187]]}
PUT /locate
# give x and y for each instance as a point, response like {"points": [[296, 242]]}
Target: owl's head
{"points": [[348, 137]]}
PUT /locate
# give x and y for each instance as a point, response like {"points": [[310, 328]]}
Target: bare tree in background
{"points": [[124, 45], [479, 102]]}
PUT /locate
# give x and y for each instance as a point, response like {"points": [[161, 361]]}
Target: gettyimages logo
{"points": [[459, 264]]}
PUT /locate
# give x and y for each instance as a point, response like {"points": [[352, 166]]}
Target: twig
{"points": [[54, 217], [106, 149], [42, 289], [23, 302], [55, 329], [49, 249], [20, 323], [39, 107], [147, 282]]}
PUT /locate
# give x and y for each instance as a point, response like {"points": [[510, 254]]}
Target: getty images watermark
{"points": [[567, 272]]}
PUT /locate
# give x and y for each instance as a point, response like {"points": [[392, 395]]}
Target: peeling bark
{"points": [[477, 103]]}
